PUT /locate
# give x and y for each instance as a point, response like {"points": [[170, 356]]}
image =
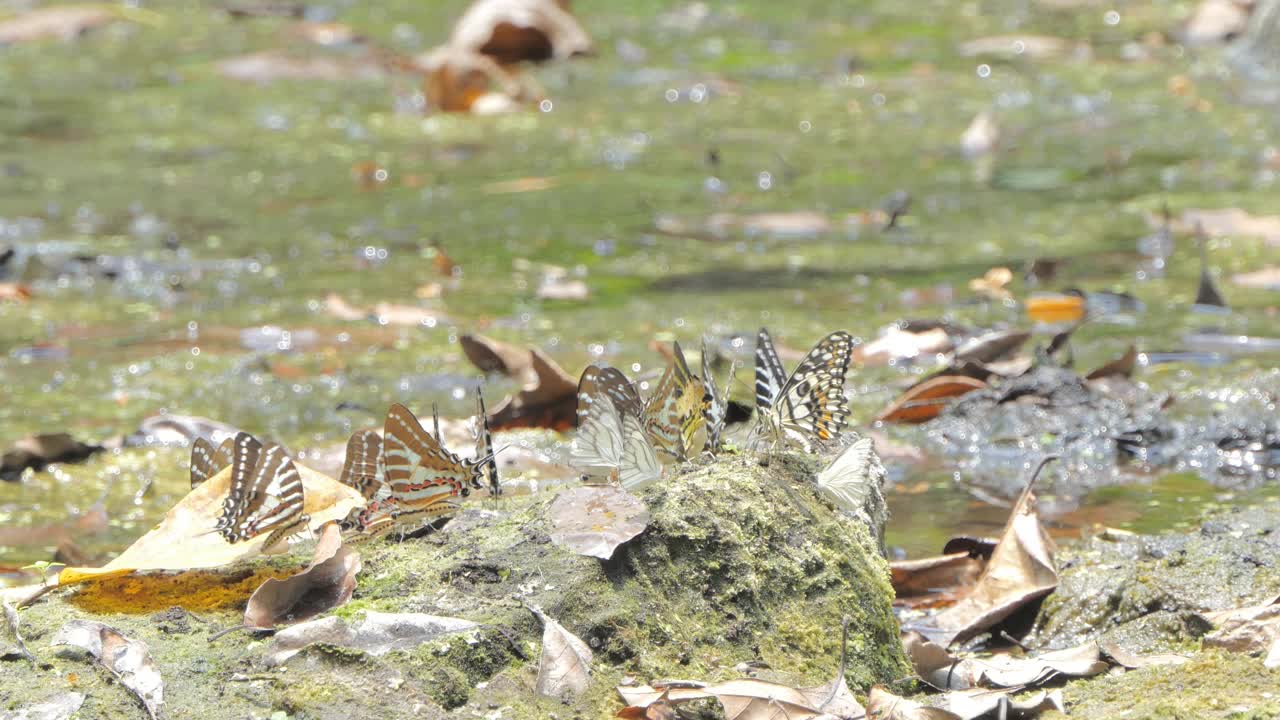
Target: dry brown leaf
{"points": [[459, 80], [1217, 21], [128, 660], [930, 576], [898, 344], [65, 22], [884, 705], [183, 540], [1021, 571], [549, 401], [1253, 629], [1131, 661], [1267, 278], [557, 286], [994, 285], [521, 185], [512, 31], [925, 401], [493, 356], [564, 670], [595, 520], [991, 346], [376, 634], [325, 584], [15, 292], [383, 313], [1121, 367], [979, 703], [38, 451]]}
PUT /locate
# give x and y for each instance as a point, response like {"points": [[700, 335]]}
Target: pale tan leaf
{"points": [[326, 583], [512, 31], [564, 669], [594, 521], [129, 660], [884, 705], [376, 634], [59, 707]]}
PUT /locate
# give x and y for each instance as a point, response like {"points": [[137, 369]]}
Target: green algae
{"points": [[740, 562]]}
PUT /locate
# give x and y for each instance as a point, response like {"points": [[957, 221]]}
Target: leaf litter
{"points": [[564, 667], [376, 634], [325, 584], [594, 520], [58, 707], [128, 660]]}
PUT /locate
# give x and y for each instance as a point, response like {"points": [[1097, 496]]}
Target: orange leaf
{"points": [[1055, 308], [924, 401]]}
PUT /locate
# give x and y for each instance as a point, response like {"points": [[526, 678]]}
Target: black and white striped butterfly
{"points": [[716, 408], [614, 443], [809, 407], [484, 447], [362, 466], [206, 461], [265, 496]]}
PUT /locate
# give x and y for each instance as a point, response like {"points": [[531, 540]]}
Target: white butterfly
{"points": [[607, 439], [851, 479]]}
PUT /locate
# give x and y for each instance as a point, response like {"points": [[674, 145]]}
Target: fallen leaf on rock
{"points": [[41, 450], [59, 707], [660, 709], [128, 660], [183, 541], [460, 80], [925, 401], [930, 576], [512, 31], [376, 634], [383, 313], [1253, 629], [325, 584], [1217, 21], [1021, 571], [595, 520], [981, 137], [994, 285], [492, 356], [558, 286], [935, 666], [884, 705], [991, 346], [65, 22], [979, 703], [1131, 661], [11, 644], [15, 292], [1268, 278], [171, 429], [564, 669], [273, 65], [1031, 47], [1121, 367], [898, 344], [550, 400]]}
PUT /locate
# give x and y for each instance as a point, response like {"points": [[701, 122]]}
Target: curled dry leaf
{"points": [[183, 540], [978, 703], [383, 313], [884, 705], [595, 520], [549, 401], [1253, 629], [377, 634], [1121, 367], [994, 285], [935, 666], [925, 401], [14, 292], [461, 80], [492, 356], [991, 346], [325, 584], [128, 660], [38, 451], [928, 577], [59, 707], [512, 31], [11, 645], [1021, 571], [1267, 278], [1131, 661], [564, 670]]}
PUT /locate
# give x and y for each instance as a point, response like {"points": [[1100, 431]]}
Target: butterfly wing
{"points": [[812, 406], [639, 465], [851, 478], [361, 468], [485, 455], [202, 461], [245, 452], [608, 382], [674, 413], [598, 443], [717, 406], [770, 375], [278, 497], [418, 468]]}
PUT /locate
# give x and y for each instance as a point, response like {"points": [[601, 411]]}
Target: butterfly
{"points": [[484, 447], [424, 479], [610, 383], [207, 461], [809, 407], [265, 496], [362, 466], [609, 439], [674, 414], [852, 477], [717, 404]]}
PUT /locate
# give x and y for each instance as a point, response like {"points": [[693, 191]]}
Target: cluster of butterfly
{"points": [[406, 476], [626, 439]]}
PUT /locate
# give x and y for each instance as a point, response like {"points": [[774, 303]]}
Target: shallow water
{"points": [[208, 208]]}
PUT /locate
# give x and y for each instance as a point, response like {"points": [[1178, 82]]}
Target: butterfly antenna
{"points": [[435, 419]]}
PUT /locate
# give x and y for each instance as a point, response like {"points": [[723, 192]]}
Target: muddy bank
{"points": [[739, 564], [1144, 591]]}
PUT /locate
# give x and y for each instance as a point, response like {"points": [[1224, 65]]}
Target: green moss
{"points": [[1212, 685]]}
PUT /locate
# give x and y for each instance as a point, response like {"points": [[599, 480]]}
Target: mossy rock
{"points": [[1145, 592], [740, 563]]}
